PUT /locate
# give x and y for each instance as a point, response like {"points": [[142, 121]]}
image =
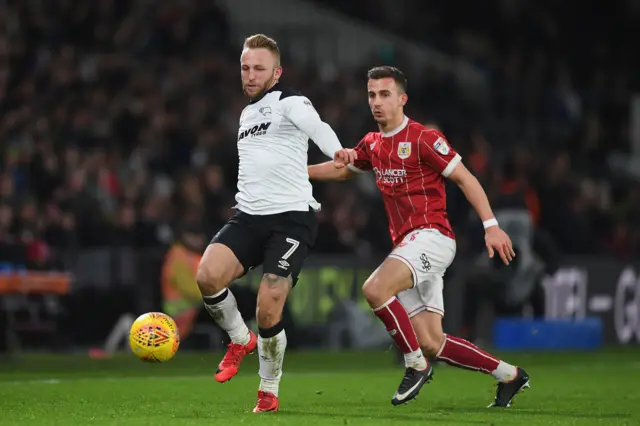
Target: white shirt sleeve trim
{"points": [[452, 165]]}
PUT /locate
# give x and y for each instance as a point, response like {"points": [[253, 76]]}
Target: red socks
{"points": [[398, 324], [460, 353]]}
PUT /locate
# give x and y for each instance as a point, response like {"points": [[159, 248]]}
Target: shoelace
{"points": [[408, 375], [264, 397], [233, 354]]}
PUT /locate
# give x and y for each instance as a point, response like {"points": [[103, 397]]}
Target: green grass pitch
{"points": [[318, 388]]}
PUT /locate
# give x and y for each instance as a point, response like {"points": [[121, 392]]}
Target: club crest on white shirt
{"points": [[404, 150], [441, 146], [265, 110]]}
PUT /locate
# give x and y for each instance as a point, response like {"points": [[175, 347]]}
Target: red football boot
{"points": [[231, 362], [267, 402]]}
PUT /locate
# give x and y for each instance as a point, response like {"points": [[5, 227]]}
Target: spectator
{"points": [[113, 132]]}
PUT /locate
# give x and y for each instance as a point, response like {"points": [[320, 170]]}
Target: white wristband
{"points": [[489, 223]]}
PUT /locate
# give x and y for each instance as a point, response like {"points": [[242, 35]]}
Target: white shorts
{"points": [[428, 254]]}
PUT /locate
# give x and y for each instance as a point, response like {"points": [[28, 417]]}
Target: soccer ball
{"points": [[154, 337]]}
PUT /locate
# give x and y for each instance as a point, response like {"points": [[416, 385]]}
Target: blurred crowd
{"points": [[118, 126]]}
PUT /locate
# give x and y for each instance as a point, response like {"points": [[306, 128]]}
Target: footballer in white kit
{"points": [[275, 223]]}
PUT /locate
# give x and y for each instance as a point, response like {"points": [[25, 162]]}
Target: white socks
{"points": [[223, 308], [505, 372], [271, 353], [415, 360]]}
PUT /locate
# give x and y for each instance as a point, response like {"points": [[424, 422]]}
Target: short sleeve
{"points": [[434, 149], [363, 159]]}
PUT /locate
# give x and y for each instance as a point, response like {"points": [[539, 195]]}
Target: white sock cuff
{"points": [[219, 293], [275, 336], [385, 304], [209, 300]]}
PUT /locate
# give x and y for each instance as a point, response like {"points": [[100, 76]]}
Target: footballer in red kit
{"points": [[411, 163]]}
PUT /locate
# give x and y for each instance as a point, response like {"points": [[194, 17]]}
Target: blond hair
{"points": [[261, 41]]}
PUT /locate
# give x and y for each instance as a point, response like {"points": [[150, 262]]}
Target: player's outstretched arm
{"points": [[329, 171], [300, 111], [495, 238]]}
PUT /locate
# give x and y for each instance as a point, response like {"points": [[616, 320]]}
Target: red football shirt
{"points": [[410, 164]]}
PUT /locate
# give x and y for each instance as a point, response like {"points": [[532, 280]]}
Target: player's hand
{"points": [[498, 241], [344, 157]]}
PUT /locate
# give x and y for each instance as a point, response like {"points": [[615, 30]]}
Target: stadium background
{"points": [[118, 129], [118, 161]]}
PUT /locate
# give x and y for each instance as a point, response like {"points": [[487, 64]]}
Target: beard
{"points": [[267, 85]]}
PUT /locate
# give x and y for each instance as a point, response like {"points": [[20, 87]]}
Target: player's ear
{"points": [[403, 99], [278, 72]]}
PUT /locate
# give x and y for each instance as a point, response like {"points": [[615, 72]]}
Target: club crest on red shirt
{"points": [[404, 150]]}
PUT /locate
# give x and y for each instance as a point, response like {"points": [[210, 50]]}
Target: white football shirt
{"points": [[273, 140]]}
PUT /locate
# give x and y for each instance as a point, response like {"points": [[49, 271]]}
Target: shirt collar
{"points": [[275, 88], [397, 129]]}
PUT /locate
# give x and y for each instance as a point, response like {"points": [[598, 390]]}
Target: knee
{"points": [[210, 279], [431, 344], [375, 293]]}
